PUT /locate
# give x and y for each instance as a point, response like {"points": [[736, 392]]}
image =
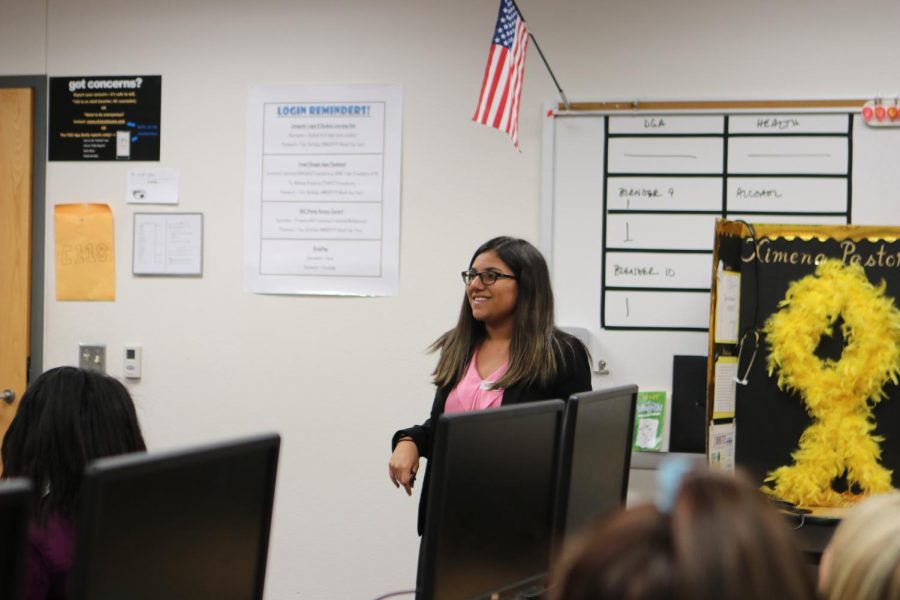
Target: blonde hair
{"points": [[862, 561]]}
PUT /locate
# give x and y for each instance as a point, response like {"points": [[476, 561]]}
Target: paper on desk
{"points": [[650, 414], [85, 252]]}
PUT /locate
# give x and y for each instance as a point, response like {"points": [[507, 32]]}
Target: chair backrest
{"points": [[15, 510]]}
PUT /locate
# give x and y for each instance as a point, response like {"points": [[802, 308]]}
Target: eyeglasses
{"points": [[486, 277]]}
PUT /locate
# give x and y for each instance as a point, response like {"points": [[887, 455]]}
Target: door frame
{"points": [[38, 83]]}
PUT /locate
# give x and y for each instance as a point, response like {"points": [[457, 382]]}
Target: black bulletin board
{"points": [[94, 118], [769, 421]]}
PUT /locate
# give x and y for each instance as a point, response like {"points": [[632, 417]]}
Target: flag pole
{"points": [[543, 58]]}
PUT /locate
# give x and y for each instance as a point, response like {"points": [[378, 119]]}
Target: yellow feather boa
{"points": [[839, 395]]}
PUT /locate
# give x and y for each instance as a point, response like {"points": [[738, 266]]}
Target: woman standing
{"points": [[504, 350]]}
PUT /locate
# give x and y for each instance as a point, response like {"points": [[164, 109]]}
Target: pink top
{"points": [[473, 392]]}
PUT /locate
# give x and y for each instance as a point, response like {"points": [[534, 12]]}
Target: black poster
{"points": [[105, 118], [770, 420]]}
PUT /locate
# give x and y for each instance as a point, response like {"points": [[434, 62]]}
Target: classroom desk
{"points": [[642, 476], [814, 531]]}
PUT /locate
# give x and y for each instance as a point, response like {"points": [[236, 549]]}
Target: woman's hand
{"points": [[404, 464]]}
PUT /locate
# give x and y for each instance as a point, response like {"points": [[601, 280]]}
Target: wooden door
{"points": [[16, 142]]}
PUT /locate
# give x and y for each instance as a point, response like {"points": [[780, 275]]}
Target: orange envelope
{"points": [[85, 252]]}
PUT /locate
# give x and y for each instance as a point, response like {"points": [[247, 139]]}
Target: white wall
{"points": [[336, 376]]}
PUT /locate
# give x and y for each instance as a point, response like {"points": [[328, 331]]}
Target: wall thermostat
{"points": [[131, 365]]}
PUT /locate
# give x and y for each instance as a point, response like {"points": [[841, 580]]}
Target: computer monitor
{"points": [[596, 456], [490, 507], [15, 510], [179, 525]]}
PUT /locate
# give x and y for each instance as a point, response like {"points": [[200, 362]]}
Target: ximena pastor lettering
{"points": [[849, 255]]}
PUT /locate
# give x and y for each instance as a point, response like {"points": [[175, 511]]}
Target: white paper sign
{"points": [[168, 244], [152, 186], [722, 446], [728, 303], [322, 198], [725, 391]]}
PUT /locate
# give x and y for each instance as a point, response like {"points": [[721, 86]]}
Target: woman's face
{"points": [[494, 304]]}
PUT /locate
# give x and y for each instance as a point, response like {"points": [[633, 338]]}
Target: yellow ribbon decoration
{"points": [[839, 395]]}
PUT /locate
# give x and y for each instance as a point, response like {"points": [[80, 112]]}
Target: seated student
{"points": [[862, 561], [711, 535], [66, 418]]}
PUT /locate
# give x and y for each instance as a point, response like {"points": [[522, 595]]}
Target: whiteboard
{"points": [[628, 212]]}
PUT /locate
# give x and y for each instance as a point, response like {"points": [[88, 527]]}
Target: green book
{"points": [[649, 420]]}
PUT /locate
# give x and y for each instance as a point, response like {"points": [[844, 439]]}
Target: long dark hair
{"points": [[535, 350], [66, 418]]}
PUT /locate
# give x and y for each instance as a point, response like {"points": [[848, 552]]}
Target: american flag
{"points": [[498, 104]]}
